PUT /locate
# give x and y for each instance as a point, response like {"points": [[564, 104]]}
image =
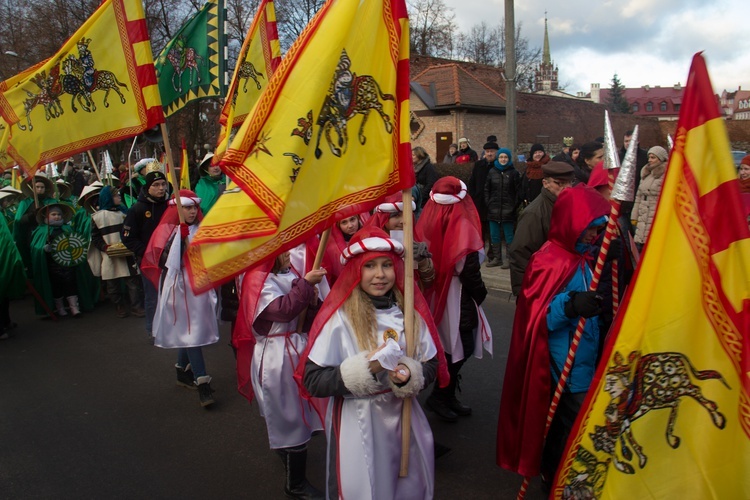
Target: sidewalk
{"points": [[496, 278]]}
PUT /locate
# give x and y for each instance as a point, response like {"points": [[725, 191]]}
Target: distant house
{"points": [[453, 100], [741, 109], [659, 102]]}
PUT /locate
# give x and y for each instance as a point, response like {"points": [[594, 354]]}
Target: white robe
{"points": [[183, 319], [364, 433], [448, 325], [290, 419]]}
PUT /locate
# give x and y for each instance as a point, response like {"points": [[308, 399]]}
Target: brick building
{"points": [[659, 102]]}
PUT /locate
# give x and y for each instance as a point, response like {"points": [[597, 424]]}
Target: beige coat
{"points": [[646, 199], [109, 268]]}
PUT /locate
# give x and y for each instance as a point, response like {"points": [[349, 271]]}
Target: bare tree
{"points": [[527, 58], [292, 16], [433, 28], [481, 45]]}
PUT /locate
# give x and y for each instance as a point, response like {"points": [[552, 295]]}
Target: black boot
{"points": [[497, 256], [438, 403], [205, 393], [297, 485], [450, 391], [185, 377]]}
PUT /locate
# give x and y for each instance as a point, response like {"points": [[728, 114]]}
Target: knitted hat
{"points": [[535, 148], [491, 138], [659, 152], [154, 176], [745, 160]]}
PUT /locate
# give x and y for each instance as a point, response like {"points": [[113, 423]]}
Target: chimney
{"points": [[595, 92]]}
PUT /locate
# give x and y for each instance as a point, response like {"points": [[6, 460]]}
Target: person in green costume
{"points": [[54, 278], [211, 184], [25, 221], [131, 191], [12, 278], [9, 205]]}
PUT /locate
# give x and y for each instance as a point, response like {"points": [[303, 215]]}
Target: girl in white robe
{"points": [[271, 303], [183, 320], [363, 418]]}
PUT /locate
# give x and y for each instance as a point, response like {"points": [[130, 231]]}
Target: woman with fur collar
{"points": [[362, 318]]}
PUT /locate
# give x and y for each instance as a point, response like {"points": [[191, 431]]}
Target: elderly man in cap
{"points": [[465, 153], [139, 225], [534, 223]]}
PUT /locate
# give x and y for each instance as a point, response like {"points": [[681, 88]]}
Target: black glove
{"points": [[420, 251], [586, 304], [615, 249]]}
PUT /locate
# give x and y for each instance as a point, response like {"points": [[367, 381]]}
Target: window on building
{"points": [[635, 107], [663, 106], [649, 106], [676, 108]]}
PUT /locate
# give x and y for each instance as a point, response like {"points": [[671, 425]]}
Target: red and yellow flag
{"points": [[668, 413], [184, 168], [100, 87], [328, 138], [259, 57]]}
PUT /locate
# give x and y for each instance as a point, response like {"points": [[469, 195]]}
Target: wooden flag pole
{"points": [[130, 167], [168, 150], [316, 265], [93, 164], [408, 324]]}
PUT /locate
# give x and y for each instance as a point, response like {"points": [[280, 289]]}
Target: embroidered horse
{"points": [[248, 71], [73, 85], [349, 95], [100, 80], [184, 58], [660, 380]]}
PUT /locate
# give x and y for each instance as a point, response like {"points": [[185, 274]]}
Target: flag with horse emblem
{"points": [[191, 66], [328, 138], [668, 413], [100, 87], [259, 57]]}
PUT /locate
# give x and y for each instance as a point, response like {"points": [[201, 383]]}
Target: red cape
{"points": [[527, 387]]}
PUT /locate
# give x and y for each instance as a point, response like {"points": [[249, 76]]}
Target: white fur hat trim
{"points": [[186, 201], [371, 245], [392, 208], [449, 199]]}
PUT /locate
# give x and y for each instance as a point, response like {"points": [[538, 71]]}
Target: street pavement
{"points": [[90, 410]]}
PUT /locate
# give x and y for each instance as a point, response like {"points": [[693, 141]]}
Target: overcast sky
{"points": [[643, 41]]}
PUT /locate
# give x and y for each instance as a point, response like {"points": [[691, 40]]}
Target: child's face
{"points": [[284, 260], [395, 223], [190, 213], [350, 225], [55, 215], [117, 199], [378, 276]]}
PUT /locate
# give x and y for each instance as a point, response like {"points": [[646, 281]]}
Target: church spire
{"points": [[546, 60]]}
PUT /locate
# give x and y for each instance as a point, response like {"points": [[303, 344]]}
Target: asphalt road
{"points": [[88, 409]]}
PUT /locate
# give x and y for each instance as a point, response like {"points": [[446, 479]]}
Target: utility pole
{"points": [[510, 79]]}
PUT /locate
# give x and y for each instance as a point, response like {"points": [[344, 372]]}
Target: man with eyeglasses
{"points": [[534, 223]]}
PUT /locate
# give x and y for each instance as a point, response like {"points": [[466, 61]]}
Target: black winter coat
{"points": [[473, 291], [501, 190], [140, 223]]}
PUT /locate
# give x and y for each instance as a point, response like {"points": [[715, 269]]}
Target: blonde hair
{"points": [[360, 311]]}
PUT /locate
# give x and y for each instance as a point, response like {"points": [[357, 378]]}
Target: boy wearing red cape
{"points": [[553, 297]]}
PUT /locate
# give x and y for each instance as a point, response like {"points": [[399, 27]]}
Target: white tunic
{"points": [[182, 318], [290, 419], [364, 433], [448, 325]]}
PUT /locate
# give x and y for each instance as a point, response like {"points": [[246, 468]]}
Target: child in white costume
{"points": [[269, 343], [363, 417], [183, 320]]}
